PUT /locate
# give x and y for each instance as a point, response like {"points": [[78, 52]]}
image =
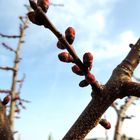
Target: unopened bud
{"points": [[70, 34], [88, 59], [105, 123], [44, 4], [60, 45], [35, 17], [90, 78], [17, 110], [65, 57], [77, 70], [83, 83], [6, 100]]}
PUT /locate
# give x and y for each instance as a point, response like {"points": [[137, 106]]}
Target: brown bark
{"points": [[5, 132], [102, 96]]}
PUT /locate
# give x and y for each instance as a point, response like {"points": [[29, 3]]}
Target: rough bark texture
{"points": [[118, 86], [5, 132]]}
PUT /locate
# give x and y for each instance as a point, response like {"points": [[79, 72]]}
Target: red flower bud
{"points": [[105, 123], [83, 83], [44, 4], [77, 70], [35, 18], [70, 34], [60, 45], [90, 78], [88, 59], [31, 16], [17, 110], [16, 98], [65, 57], [6, 100]]}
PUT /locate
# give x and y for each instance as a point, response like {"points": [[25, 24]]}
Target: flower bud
{"points": [[70, 34], [17, 110], [6, 100], [44, 4], [83, 83], [77, 70], [88, 59], [16, 98], [35, 18], [65, 57], [60, 45], [105, 123], [90, 78]]}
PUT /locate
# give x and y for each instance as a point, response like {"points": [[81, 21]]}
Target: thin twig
{"points": [[9, 36], [8, 47]]}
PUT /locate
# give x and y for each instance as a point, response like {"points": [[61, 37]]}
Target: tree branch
{"points": [[7, 68], [8, 47], [9, 36], [105, 95], [130, 88]]}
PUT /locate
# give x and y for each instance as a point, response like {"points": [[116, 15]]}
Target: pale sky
{"points": [[103, 27]]}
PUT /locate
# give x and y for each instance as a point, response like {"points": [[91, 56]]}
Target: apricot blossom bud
{"points": [[105, 123], [77, 70], [70, 34], [17, 110], [6, 100], [44, 4], [60, 45], [88, 59], [90, 78], [65, 57], [35, 18], [16, 98], [83, 83]]}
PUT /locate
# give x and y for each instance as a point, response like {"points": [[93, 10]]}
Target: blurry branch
{"points": [[7, 68], [22, 29], [9, 36], [21, 83], [5, 91], [14, 93], [121, 115], [57, 4], [8, 47]]}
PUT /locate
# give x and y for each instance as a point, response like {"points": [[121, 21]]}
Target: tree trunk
{"points": [[5, 132]]}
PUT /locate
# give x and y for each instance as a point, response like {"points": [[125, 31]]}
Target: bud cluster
{"points": [[87, 59], [34, 17], [70, 36], [66, 57]]}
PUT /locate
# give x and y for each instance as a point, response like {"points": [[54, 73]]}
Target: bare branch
{"points": [[9, 36], [115, 107], [7, 68], [5, 91], [21, 82], [8, 47]]}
